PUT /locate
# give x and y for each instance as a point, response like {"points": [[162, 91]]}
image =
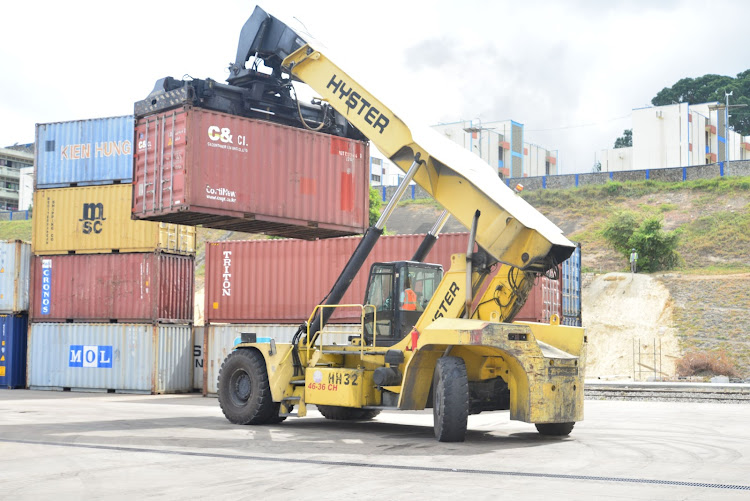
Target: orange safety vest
{"points": [[410, 302]]}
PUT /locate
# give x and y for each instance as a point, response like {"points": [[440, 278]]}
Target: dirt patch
{"points": [[628, 316]]}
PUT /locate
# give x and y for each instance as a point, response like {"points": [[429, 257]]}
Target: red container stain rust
{"points": [[133, 287], [201, 167]]}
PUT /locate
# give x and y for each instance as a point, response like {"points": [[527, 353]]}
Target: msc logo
{"points": [[93, 215], [90, 356], [224, 135]]}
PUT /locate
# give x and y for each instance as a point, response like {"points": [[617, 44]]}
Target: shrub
{"points": [[655, 247], [695, 363], [618, 230]]}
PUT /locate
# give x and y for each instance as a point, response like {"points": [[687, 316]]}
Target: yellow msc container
{"points": [[96, 219]]}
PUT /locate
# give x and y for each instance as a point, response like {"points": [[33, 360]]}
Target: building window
{"points": [[546, 168], [375, 178]]}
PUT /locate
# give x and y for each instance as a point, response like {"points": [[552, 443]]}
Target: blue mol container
{"points": [[571, 289], [13, 350], [84, 152]]}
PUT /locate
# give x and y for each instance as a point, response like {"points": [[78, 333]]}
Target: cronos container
{"points": [[133, 287], [201, 167], [84, 152], [96, 219], [128, 358], [13, 352], [15, 260], [281, 281]]}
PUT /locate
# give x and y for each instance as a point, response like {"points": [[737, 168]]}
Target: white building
{"points": [[12, 159], [501, 144], [677, 135]]}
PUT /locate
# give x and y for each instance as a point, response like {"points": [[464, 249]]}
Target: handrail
{"points": [[362, 308]]}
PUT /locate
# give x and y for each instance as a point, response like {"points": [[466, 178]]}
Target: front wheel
{"points": [[244, 394], [450, 399], [555, 429]]}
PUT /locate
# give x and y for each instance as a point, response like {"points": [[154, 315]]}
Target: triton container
{"points": [[127, 358], [200, 167], [15, 259], [133, 287], [281, 281], [96, 219], [84, 152], [13, 352]]}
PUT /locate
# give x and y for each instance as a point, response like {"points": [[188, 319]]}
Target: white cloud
{"points": [[572, 67]]}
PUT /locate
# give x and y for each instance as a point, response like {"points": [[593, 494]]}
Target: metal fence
{"points": [[19, 215]]}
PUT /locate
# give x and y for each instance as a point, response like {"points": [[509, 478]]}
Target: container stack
{"points": [[15, 258], [111, 300], [270, 287]]}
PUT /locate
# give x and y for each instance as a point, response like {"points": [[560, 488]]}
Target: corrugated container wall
{"points": [[281, 281], [228, 172], [13, 358], [128, 358], [571, 292], [96, 219], [544, 300], [221, 339], [84, 152], [133, 287], [198, 337], [15, 261]]}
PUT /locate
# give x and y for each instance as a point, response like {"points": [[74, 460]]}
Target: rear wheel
{"points": [[450, 399], [244, 394], [339, 413], [554, 429]]}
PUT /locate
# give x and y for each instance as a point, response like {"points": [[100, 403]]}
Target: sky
{"points": [[570, 71]]}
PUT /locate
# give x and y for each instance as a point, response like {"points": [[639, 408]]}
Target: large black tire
{"points": [[244, 394], [555, 429], [339, 413], [450, 399]]}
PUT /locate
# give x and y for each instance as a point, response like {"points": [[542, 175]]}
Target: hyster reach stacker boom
{"points": [[426, 339]]}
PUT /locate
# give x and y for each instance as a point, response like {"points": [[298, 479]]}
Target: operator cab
{"points": [[400, 291]]}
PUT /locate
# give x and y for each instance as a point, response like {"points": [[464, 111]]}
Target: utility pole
{"points": [[726, 126]]}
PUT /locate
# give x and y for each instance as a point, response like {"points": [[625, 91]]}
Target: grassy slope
{"points": [[709, 290], [712, 216]]}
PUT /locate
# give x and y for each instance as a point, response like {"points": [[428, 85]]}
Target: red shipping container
{"points": [[544, 300], [200, 167], [281, 281], [132, 287]]}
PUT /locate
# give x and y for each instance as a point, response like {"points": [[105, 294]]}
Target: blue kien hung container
{"points": [[13, 351], [84, 152], [571, 293]]}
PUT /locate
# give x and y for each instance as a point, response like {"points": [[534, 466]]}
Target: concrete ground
{"points": [[88, 445]]}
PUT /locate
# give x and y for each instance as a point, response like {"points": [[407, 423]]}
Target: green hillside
{"points": [[15, 230], [712, 218]]}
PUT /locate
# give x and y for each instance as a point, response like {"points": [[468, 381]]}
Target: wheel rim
{"points": [[240, 387]]}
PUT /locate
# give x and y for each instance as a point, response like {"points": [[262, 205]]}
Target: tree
{"points": [[375, 204], [709, 88], [655, 247], [626, 140]]}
